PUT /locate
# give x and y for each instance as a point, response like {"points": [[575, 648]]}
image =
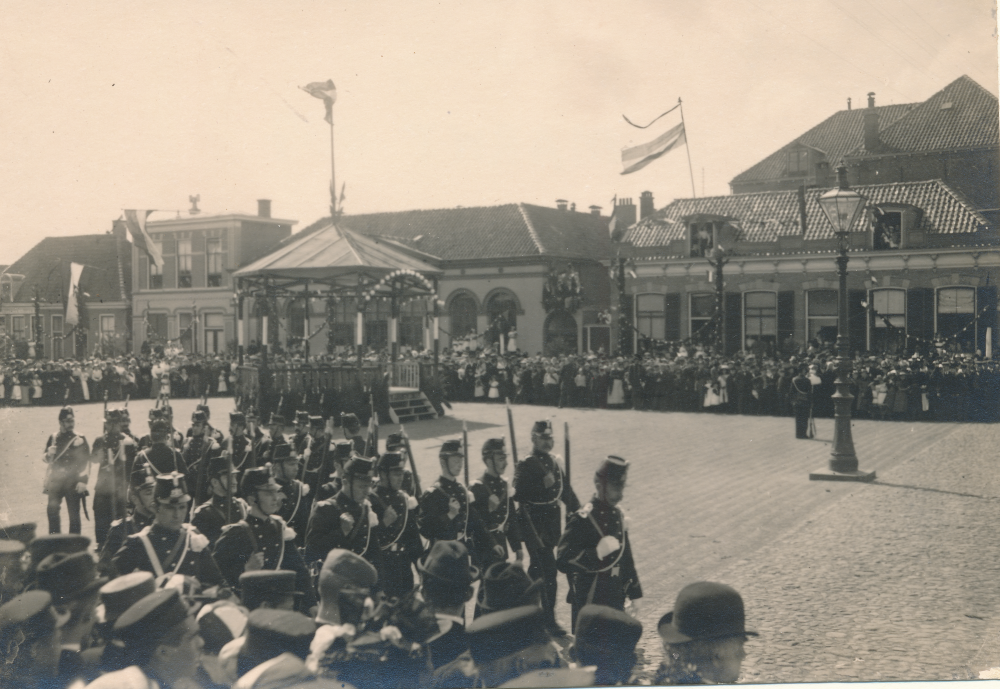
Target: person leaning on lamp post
{"points": [[703, 636]]}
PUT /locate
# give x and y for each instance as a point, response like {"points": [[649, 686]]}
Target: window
{"points": [[501, 314], [760, 318], [798, 163], [821, 316], [214, 333], [156, 329], [17, 329], [462, 311], [186, 323], [107, 325], [650, 319], [702, 310], [560, 333], [956, 316], [888, 230], [702, 239], [411, 324], [887, 323], [377, 313], [5, 291], [213, 247], [155, 274], [57, 340], [183, 262]]}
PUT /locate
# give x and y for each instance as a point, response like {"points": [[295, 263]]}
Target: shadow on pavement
{"points": [[443, 426], [934, 490]]}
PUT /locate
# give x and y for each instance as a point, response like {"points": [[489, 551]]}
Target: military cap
{"points": [[276, 419], [10, 550], [704, 610], [342, 450], [121, 593], [273, 632], [220, 465], [113, 416], [358, 466], [395, 441], [43, 546], [159, 426], [171, 489], [257, 586], [451, 447], [204, 408], [612, 470], [237, 418], [219, 623], [349, 420], [28, 613], [147, 621], [301, 417], [24, 532], [65, 413], [258, 478], [68, 576], [283, 452], [449, 561], [199, 417], [494, 445], [316, 421], [506, 585], [167, 409], [142, 476], [543, 428], [341, 568], [602, 631], [389, 461], [503, 633]]}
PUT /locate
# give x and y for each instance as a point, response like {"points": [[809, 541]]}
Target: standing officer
{"points": [[168, 545], [301, 441], [213, 433], [595, 551], [351, 426], [275, 436], [67, 457], [297, 505], [496, 507], [346, 520], [160, 455], [341, 451], [320, 459], [539, 485], [801, 393], [394, 442], [141, 484], [176, 439], [222, 507], [262, 540], [238, 446], [197, 446], [396, 533], [115, 454], [445, 509]]}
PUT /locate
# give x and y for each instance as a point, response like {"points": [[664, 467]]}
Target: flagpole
{"points": [[687, 147], [333, 174]]}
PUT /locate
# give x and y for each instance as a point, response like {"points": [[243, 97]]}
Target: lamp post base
{"points": [[830, 475]]}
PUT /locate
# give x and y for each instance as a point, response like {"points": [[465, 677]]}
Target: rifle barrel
{"points": [[510, 426]]}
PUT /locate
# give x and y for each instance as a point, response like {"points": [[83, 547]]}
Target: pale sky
{"points": [[116, 105]]}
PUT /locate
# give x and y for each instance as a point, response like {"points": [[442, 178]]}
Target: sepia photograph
{"points": [[513, 344]]}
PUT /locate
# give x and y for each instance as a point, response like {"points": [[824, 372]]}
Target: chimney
{"points": [[595, 210], [118, 229], [646, 207], [625, 212], [848, 102], [572, 206], [871, 125], [263, 208], [562, 204]]}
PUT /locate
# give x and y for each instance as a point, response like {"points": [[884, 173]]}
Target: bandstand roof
{"points": [[334, 252]]}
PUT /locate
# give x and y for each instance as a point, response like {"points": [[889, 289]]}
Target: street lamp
{"points": [[717, 259], [842, 207]]}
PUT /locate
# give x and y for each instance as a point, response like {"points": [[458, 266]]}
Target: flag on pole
{"points": [[73, 297], [327, 92], [136, 223], [638, 157]]}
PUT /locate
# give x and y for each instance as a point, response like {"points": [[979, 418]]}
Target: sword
{"points": [[83, 501]]}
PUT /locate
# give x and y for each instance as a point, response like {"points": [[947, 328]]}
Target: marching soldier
{"points": [[168, 545], [301, 441], [115, 454], [595, 551], [342, 451], [163, 413], [445, 513], [494, 501], [213, 433], [222, 507], [67, 456], [297, 505], [127, 424], [539, 485], [346, 520], [275, 436], [394, 442], [262, 540], [396, 533], [160, 455], [197, 446], [142, 481], [319, 461], [239, 446], [351, 426]]}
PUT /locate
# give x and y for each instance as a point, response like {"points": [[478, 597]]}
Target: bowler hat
{"points": [[605, 631], [543, 428], [506, 585], [171, 489], [704, 610], [449, 561], [503, 633], [147, 621], [68, 576], [121, 593]]}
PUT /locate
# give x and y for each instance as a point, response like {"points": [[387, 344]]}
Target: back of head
{"points": [[606, 637]]}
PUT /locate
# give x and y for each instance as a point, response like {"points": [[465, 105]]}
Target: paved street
{"points": [[889, 581]]}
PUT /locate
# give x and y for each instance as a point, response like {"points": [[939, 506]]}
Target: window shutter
{"points": [[857, 320], [986, 310], [920, 315], [786, 321], [734, 322], [627, 325], [672, 313]]}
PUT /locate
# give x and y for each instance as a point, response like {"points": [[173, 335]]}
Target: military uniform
{"points": [[466, 527], [120, 530], [399, 542], [340, 522], [496, 509], [116, 454], [163, 459], [67, 456], [176, 552], [210, 516], [296, 508], [341, 451]]}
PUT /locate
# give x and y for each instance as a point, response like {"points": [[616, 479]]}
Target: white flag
{"points": [[72, 303], [638, 157]]}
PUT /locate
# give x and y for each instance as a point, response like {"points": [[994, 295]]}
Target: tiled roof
{"points": [[961, 115], [46, 265], [836, 136], [489, 232], [765, 216]]}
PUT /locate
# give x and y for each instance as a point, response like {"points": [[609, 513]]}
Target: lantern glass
{"points": [[842, 208]]}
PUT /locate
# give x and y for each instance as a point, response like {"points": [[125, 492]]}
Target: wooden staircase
{"points": [[409, 404]]}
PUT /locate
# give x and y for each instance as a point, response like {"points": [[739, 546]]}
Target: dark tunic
{"points": [[340, 522], [296, 507], [71, 459], [539, 485], [210, 516], [119, 531], [197, 562], [399, 542], [163, 460], [496, 508], [466, 526], [123, 451]]}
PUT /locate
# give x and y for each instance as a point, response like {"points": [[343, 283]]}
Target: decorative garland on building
{"points": [[401, 273]]}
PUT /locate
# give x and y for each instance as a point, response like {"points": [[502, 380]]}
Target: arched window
{"points": [[501, 314], [560, 333], [955, 311], [463, 311]]}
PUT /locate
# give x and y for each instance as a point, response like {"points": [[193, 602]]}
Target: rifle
{"points": [[368, 440], [229, 483], [202, 467], [465, 450], [566, 446], [413, 464], [510, 426]]}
